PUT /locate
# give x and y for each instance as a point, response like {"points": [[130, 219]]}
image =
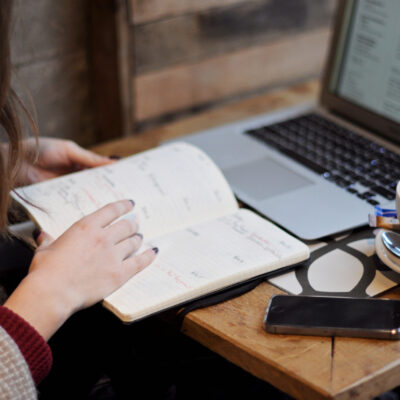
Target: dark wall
{"points": [[50, 55]]}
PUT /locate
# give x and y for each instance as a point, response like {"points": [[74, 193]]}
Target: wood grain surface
{"points": [[190, 38], [49, 53], [221, 77], [142, 11], [294, 364], [110, 74], [187, 55], [262, 103]]}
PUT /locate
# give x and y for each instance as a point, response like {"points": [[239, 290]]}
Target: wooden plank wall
{"points": [[187, 54], [171, 57], [50, 56], [110, 62]]}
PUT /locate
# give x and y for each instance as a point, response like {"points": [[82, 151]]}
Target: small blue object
{"points": [[385, 212], [326, 174]]}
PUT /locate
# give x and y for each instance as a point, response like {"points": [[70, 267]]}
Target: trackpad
{"points": [[265, 178]]}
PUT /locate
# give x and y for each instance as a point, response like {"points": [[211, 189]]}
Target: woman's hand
{"points": [[84, 265], [56, 157]]}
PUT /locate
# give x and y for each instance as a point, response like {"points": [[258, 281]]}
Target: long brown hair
{"points": [[10, 123]]}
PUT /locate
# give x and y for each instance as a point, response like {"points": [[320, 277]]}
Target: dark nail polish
{"points": [[138, 234], [155, 249], [114, 157], [133, 203], [36, 233]]}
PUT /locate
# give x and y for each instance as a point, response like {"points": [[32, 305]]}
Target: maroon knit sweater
{"points": [[33, 347]]}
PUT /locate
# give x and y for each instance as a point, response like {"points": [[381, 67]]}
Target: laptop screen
{"points": [[366, 69]]}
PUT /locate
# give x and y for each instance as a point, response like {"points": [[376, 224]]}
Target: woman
{"points": [[88, 262]]}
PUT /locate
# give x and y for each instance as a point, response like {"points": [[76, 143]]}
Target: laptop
{"points": [[317, 170]]}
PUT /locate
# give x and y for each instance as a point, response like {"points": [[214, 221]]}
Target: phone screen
{"points": [[308, 313]]}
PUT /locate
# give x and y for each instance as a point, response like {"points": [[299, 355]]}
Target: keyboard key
{"points": [[373, 202], [342, 156], [367, 195], [389, 194], [367, 182], [302, 160]]}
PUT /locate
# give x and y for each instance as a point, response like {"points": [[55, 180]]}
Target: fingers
{"points": [[37, 174], [122, 229], [109, 213], [129, 246], [135, 264], [85, 158]]}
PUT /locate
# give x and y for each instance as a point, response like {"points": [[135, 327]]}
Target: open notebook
{"points": [[185, 208]]}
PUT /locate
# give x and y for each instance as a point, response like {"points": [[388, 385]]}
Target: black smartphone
{"points": [[333, 316]]}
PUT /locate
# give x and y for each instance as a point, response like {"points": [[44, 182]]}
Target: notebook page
{"points": [[204, 258], [173, 187]]}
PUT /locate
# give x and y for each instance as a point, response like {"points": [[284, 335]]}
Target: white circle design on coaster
{"points": [[343, 269]]}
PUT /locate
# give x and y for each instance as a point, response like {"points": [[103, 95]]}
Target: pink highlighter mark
{"points": [[91, 198], [178, 279], [172, 274]]}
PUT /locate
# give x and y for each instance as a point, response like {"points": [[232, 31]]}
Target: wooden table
{"points": [[304, 367]]}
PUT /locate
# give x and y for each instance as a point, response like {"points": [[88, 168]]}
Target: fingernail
{"points": [[133, 203], [138, 234], [36, 233], [155, 249], [114, 157]]}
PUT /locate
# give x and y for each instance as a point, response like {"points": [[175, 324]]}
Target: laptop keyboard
{"points": [[358, 165]]}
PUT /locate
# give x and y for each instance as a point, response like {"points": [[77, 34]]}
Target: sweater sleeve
{"points": [[31, 344], [15, 378]]}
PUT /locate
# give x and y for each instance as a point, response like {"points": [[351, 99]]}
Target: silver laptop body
{"points": [[363, 59]]}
